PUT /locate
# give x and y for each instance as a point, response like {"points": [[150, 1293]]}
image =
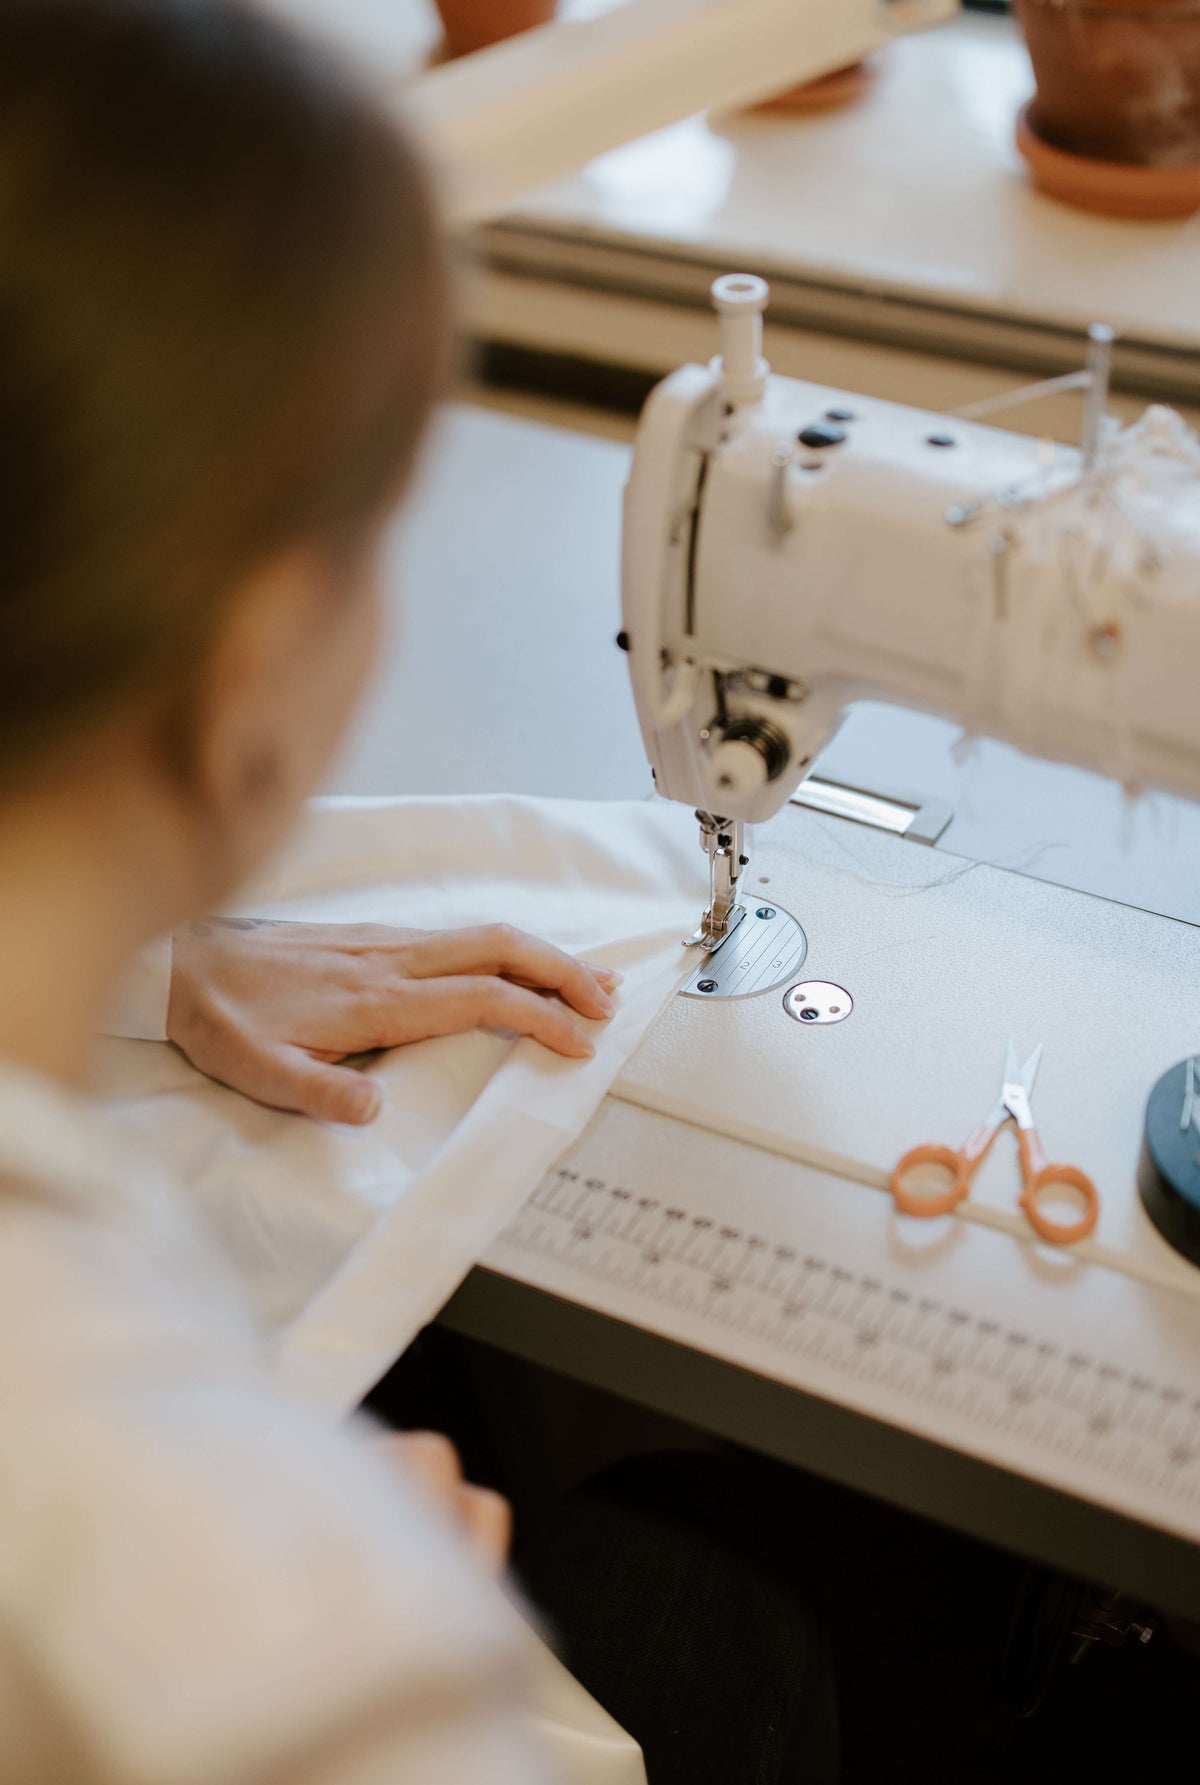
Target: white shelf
{"points": [[917, 192], [906, 221]]}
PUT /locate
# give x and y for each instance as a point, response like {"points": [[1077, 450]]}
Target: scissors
{"points": [[1036, 1175]]}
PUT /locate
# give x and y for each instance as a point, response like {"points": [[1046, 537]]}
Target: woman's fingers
{"points": [[501, 951], [272, 1011], [290, 1078], [431, 1461], [474, 1003], [487, 1519], [431, 1007], [609, 979]]}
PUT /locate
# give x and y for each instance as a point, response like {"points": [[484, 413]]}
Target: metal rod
{"points": [[1099, 366], [1025, 393]]}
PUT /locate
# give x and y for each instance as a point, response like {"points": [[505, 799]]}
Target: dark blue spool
{"points": [[1168, 1172]]}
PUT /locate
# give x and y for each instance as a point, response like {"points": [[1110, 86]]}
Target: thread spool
{"points": [[739, 300]]}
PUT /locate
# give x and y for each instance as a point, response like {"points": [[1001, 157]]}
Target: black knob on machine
{"points": [[1169, 1168]]}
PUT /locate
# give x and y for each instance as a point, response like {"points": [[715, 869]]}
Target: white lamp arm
{"points": [[509, 119]]}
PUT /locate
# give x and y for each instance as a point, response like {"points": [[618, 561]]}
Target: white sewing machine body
{"points": [[790, 548]]}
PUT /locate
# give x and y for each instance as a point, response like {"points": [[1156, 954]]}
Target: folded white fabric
{"points": [[347, 1241]]}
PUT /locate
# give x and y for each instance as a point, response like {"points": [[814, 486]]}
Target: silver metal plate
{"points": [[818, 1001], [908, 815], [765, 951]]}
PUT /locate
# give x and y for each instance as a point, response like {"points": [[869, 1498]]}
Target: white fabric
{"points": [[349, 1240], [202, 1582], [1088, 655], [585, 1745], [139, 1007]]}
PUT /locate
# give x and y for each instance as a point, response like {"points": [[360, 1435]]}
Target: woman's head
{"points": [[222, 325]]}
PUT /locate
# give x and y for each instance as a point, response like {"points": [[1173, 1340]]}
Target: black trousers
{"points": [[670, 1601], [691, 1589]]}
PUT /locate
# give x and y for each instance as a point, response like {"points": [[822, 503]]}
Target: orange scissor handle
{"points": [[937, 1202], [960, 1162], [1039, 1177]]}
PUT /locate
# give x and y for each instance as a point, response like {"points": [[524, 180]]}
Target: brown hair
{"points": [[222, 325]]}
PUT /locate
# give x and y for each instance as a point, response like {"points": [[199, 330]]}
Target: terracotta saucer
{"points": [[470, 25], [1116, 188], [842, 87]]}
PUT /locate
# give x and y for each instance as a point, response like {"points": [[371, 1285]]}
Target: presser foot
{"points": [[711, 934], [723, 841]]}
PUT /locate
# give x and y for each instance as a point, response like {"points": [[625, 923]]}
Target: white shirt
{"points": [[201, 1581]]}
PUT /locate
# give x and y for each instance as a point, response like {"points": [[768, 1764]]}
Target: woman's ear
{"points": [[272, 697]]}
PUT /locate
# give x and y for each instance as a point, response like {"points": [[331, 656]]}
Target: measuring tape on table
{"points": [[1121, 1426]]}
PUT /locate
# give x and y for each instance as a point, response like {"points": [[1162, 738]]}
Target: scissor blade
{"points": [[1029, 1072], [1018, 1085]]}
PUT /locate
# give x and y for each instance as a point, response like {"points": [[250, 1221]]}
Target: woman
{"points": [[222, 306], [222, 326]]}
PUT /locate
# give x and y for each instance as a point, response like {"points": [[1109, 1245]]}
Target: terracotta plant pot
{"points": [[472, 24], [1116, 188], [1118, 85]]}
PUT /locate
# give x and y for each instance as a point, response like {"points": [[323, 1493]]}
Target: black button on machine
{"points": [[821, 433], [839, 415], [1168, 1171]]}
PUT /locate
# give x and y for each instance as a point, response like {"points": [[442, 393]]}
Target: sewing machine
{"points": [[788, 550]]}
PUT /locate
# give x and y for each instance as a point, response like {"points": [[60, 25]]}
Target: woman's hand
{"points": [[270, 1008], [430, 1462]]}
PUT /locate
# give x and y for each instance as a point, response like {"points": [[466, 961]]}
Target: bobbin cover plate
{"points": [[1169, 1168]]}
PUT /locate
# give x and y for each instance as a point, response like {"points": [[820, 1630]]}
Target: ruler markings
{"points": [[1088, 1410]]}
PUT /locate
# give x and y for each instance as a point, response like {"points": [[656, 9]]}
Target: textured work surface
{"points": [[945, 961], [1044, 819]]}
